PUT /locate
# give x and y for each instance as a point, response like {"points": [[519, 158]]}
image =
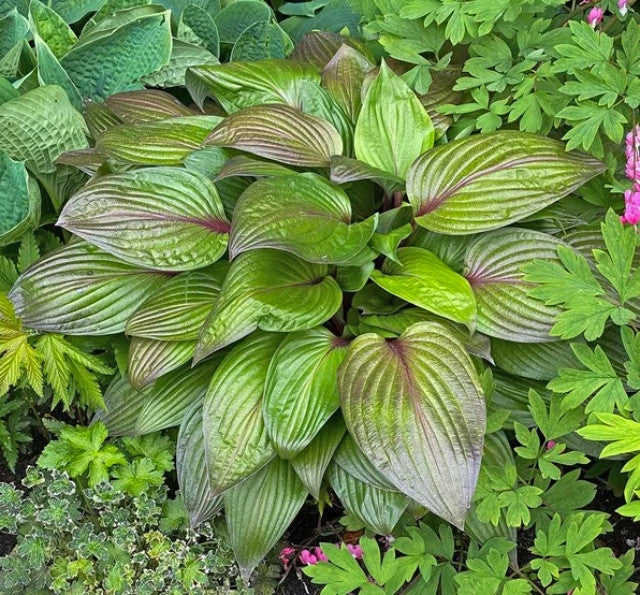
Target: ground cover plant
{"points": [[380, 285]]}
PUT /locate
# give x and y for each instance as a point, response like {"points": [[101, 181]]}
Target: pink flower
{"points": [[622, 7], [551, 444], [595, 16], [355, 551], [306, 557], [320, 555], [285, 555], [631, 214], [632, 153]]}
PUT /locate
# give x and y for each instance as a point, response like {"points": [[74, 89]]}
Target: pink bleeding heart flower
{"points": [[551, 444], [285, 555], [355, 551], [622, 7], [595, 16], [632, 153], [631, 214], [307, 558], [320, 555]]}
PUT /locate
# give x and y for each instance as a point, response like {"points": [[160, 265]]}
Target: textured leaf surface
{"points": [[50, 72], [235, 437], [149, 359], [73, 10], [81, 290], [183, 56], [301, 213], [150, 105], [234, 18], [540, 361], [270, 290], [242, 165], [301, 392], [490, 180], [493, 265], [281, 133], [50, 26], [39, 126], [422, 279], [345, 169], [163, 218], [260, 509], [414, 406], [19, 200], [261, 41]]}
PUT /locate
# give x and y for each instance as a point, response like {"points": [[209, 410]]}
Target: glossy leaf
{"points": [[163, 218], [346, 169], [540, 361], [270, 290], [490, 180], [20, 203], [235, 437], [243, 166], [300, 213], [150, 105], [414, 406], [149, 359]]}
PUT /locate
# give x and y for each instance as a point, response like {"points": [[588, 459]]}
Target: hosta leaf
{"points": [[7, 90], [73, 10], [270, 290], [99, 118], [345, 170], [202, 25], [168, 142], [301, 392], [279, 132], [493, 266], [164, 218], [490, 180], [260, 509], [191, 468], [179, 308], [234, 18], [183, 56], [393, 128], [235, 437], [51, 28], [13, 29], [160, 405], [343, 78], [150, 359], [312, 462], [422, 279], [318, 47], [378, 510], [81, 290], [301, 213], [20, 200], [540, 361], [261, 41], [111, 61], [39, 126], [241, 165], [150, 105], [414, 406]]}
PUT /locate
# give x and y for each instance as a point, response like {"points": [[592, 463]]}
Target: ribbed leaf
{"points": [[261, 41], [345, 170], [158, 406], [200, 24], [540, 361], [51, 28], [164, 218], [19, 200], [234, 18], [50, 72], [242, 165], [378, 510], [312, 462], [270, 290], [393, 128], [300, 213], [183, 56], [490, 180], [81, 290], [235, 437], [179, 308], [301, 392], [424, 280], [281, 133], [493, 266], [191, 468], [150, 105], [168, 142], [39, 126], [73, 10], [318, 47], [150, 359], [414, 406], [260, 509]]}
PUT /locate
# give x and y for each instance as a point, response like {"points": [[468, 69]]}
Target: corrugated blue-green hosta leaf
{"points": [[19, 200]]}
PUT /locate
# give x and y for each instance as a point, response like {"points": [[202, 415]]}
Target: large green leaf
{"points": [[110, 61], [540, 361], [304, 214], [345, 170], [39, 126], [179, 308], [235, 437], [260, 509], [13, 29], [81, 290], [237, 16], [490, 180], [73, 10], [150, 105], [149, 359], [422, 279], [261, 41], [160, 405], [164, 218], [270, 290], [279, 132], [393, 128], [191, 468], [19, 200], [242, 165], [301, 392], [200, 24], [183, 56], [378, 510], [51, 28], [414, 406], [493, 264]]}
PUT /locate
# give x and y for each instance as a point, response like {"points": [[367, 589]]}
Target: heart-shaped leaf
{"points": [[301, 213], [20, 203], [414, 406], [235, 437], [490, 180], [279, 132], [270, 290], [81, 290], [163, 218], [422, 279], [301, 392], [493, 265]]}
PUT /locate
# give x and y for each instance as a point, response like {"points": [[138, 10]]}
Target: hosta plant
{"points": [[311, 283]]}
